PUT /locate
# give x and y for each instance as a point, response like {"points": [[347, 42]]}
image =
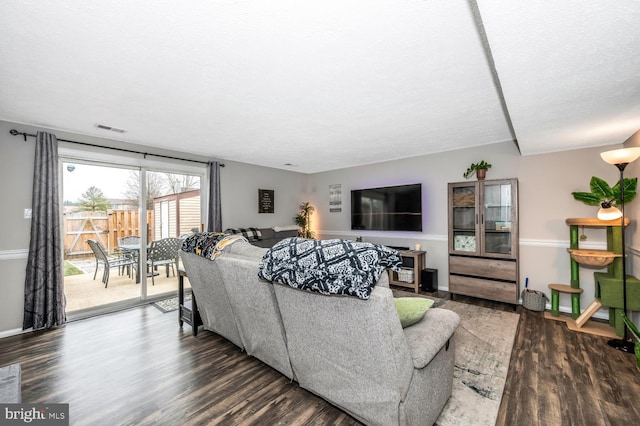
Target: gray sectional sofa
{"points": [[265, 237], [351, 352]]}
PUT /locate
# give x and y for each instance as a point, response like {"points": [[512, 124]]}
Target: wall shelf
{"points": [[418, 263]]}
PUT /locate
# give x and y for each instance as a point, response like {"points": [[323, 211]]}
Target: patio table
{"points": [[135, 248]]}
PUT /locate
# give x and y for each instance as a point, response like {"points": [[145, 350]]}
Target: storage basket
{"points": [[534, 300], [405, 275]]}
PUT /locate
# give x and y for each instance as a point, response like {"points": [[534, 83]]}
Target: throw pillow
{"points": [[411, 309]]}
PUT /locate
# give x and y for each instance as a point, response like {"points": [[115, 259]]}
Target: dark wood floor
{"points": [[137, 367]]}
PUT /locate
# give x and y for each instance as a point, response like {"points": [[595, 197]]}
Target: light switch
{"points": [[27, 213]]}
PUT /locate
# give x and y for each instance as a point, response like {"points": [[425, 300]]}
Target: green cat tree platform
{"points": [[608, 285], [609, 292]]}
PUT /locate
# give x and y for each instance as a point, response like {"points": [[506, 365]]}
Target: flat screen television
{"points": [[391, 208]]}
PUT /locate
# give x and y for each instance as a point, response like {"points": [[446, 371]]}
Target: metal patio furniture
{"points": [[108, 262], [164, 252]]}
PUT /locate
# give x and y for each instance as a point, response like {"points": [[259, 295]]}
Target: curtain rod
{"points": [[14, 132]]}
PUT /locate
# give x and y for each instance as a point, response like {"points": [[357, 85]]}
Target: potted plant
{"points": [[604, 195], [303, 220], [480, 169]]}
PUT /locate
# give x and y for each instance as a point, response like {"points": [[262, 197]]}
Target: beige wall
{"points": [[545, 186], [239, 191]]}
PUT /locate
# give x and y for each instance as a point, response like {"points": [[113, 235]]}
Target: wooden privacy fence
{"points": [[103, 227]]}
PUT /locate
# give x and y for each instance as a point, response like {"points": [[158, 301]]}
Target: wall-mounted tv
{"points": [[391, 208]]}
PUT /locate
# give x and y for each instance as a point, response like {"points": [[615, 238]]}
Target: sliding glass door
{"points": [[123, 226], [175, 207], [97, 212]]}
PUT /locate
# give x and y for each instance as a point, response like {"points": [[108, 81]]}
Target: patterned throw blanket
{"points": [[328, 266], [209, 244], [251, 234]]}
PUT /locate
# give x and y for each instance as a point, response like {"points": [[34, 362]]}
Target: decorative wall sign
{"points": [[266, 200], [335, 198]]}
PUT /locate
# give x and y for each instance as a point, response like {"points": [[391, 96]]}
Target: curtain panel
{"points": [[214, 210], [44, 300]]}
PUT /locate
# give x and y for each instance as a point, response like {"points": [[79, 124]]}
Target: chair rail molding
{"points": [[14, 254], [595, 245]]}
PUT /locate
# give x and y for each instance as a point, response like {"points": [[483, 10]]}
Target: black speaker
{"points": [[429, 279]]}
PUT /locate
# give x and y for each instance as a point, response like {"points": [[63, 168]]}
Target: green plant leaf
{"points": [[482, 165], [630, 187], [588, 198], [632, 327], [601, 188]]}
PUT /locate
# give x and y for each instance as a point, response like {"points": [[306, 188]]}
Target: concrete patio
{"points": [[83, 292]]}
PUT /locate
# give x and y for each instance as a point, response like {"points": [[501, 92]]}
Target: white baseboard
{"points": [[14, 332]]}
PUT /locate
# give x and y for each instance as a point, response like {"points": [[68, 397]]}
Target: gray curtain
{"points": [[44, 302], [214, 223]]}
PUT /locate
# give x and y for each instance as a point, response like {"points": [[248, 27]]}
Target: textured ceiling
{"points": [[325, 84]]}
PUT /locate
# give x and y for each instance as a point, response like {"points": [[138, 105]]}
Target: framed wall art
{"points": [[266, 200]]}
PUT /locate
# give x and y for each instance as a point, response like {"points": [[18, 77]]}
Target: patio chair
{"points": [[130, 240], [164, 252], [109, 262]]}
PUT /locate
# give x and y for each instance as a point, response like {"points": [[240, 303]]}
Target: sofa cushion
{"points": [[350, 351], [255, 310], [268, 233], [213, 301], [246, 249], [411, 309], [427, 337]]}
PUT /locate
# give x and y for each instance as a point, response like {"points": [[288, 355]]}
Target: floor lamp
{"points": [[620, 158]]}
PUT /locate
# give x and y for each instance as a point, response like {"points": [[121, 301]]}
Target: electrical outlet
{"points": [[27, 213]]}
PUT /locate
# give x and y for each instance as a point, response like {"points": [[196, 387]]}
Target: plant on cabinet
{"points": [[480, 169]]}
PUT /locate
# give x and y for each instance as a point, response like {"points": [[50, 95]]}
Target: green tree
{"points": [[93, 200]]}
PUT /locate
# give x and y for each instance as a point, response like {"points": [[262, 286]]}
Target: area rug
{"points": [[483, 343], [169, 305]]}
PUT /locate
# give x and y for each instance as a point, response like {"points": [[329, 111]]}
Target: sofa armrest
{"points": [[428, 336]]}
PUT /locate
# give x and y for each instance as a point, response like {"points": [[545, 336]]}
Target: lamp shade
{"points": [[609, 213], [621, 156]]}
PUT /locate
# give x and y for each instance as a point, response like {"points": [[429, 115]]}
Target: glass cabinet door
{"points": [[497, 219], [464, 217]]}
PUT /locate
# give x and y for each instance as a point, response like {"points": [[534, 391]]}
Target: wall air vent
{"points": [[112, 129]]}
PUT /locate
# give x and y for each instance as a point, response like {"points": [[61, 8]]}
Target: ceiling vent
{"points": [[112, 129]]}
